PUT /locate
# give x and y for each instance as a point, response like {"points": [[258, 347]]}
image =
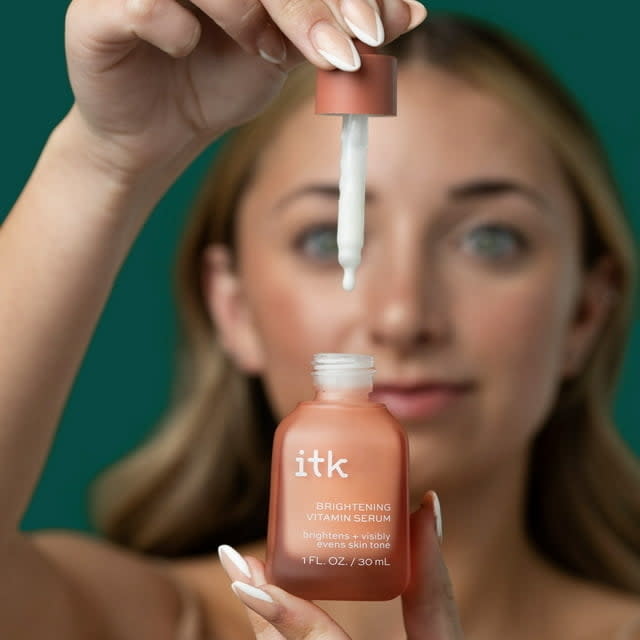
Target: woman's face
{"points": [[470, 272]]}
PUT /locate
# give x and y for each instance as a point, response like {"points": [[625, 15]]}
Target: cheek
{"points": [[291, 321], [516, 335]]}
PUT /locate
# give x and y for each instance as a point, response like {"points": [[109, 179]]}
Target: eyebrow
{"points": [[474, 189], [496, 187], [325, 190]]}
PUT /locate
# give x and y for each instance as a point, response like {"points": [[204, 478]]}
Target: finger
{"points": [[276, 29], [261, 627], [115, 27], [278, 614], [428, 604], [374, 22], [234, 564], [248, 23], [164, 24], [316, 31], [248, 570], [292, 617], [400, 17], [256, 567]]}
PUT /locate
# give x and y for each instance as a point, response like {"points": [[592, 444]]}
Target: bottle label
{"points": [[339, 512], [344, 510]]}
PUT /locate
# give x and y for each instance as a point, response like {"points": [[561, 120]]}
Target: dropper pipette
{"points": [[356, 95], [353, 181]]}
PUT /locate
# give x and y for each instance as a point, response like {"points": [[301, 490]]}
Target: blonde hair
{"points": [[202, 478]]}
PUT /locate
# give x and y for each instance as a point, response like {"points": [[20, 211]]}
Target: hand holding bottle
{"points": [[429, 609], [154, 79]]}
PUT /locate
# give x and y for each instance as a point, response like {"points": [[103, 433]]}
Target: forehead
{"points": [[446, 131]]}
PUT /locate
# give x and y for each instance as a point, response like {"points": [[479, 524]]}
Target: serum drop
{"points": [[339, 511]]}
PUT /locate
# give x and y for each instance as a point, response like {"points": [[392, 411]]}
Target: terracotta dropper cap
{"points": [[370, 90]]}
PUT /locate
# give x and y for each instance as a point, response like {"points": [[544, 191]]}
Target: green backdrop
{"points": [[124, 382]]}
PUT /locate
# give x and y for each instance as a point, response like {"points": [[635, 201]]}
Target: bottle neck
{"points": [[359, 395], [343, 377]]}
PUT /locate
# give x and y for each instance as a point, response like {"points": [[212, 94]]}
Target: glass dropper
{"points": [[353, 183], [355, 95]]}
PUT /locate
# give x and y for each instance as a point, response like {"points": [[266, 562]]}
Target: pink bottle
{"points": [[339, 512]]}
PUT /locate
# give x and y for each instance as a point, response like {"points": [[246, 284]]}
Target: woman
{"points": [[497, 262]]}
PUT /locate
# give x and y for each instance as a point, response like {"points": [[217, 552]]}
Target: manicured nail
{"points": [[437, 512], [233, 563], [271, 45], [418, 13], [256, 599], [432, 497], [335, 46], [364, 21]]}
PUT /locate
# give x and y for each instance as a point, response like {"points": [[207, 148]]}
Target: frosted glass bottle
{"points": [[338, 511]]}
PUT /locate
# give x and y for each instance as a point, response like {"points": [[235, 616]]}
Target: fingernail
{"points": [[335, 46], [364, 21], [437, 512], [256, 599], [418, 13], [432, 496], [271, 45], [233, 563]]}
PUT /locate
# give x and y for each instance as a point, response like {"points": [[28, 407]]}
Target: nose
{"points": [[407, 312]]}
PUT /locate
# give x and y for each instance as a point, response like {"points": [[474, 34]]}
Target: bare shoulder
{"points": [[621, 614], [130, 596], [605, 613], [143, 597]]}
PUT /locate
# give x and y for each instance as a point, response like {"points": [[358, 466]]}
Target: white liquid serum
{"points": [[353, 182]]}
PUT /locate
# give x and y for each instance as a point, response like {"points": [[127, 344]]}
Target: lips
{"points": [[419, 401]]}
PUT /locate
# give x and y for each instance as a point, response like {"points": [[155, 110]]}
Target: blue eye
{"points": [[496, 242], [319, 243]]}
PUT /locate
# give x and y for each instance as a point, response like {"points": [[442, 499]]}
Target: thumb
{"points": [[428, 605]]}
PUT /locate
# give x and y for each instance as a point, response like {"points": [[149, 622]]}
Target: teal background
{"points": [[124, 382]]}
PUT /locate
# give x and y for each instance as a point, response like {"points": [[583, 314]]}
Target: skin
{"points": [[506, 322], [514, 318], [154, 83]]}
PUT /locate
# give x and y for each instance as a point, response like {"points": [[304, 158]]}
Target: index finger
{"points": [[308, 26], [292, 617]]}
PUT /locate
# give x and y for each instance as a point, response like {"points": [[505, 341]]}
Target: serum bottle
{"points": [[338, 511]]}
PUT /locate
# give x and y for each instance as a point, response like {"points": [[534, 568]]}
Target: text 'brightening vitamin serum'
{"points": [[339, 506], [356, 95]]}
